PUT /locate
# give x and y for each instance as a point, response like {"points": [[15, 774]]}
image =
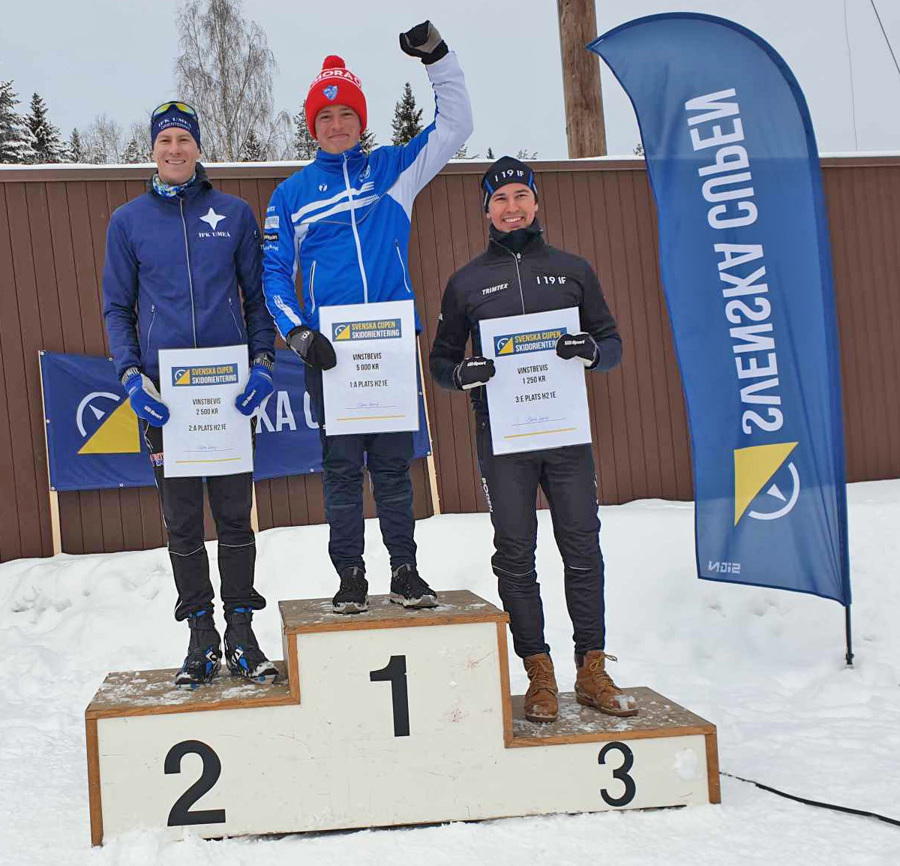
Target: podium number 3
{"points": [[620, 773], [395, 674], [181, 814]]}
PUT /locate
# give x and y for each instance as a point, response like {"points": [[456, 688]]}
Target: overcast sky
{"points": [[113, 56]]}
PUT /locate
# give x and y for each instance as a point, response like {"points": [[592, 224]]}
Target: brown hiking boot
{"points": [[594, 687], [541, 703]]}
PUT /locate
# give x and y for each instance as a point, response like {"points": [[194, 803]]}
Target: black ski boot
{"points": [[242, 652], [204, 653], [352, 596], [408, 589]]}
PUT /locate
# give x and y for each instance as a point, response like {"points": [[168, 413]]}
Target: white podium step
{"points": [[390, 717]]}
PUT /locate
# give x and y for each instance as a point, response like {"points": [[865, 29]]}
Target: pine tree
{"points": [[253, 149], [16, 141], [75, 151], [305, 146], [463, 153], [367, 142], [47, 146], [525, 154], [407, 122], [132, 154], [489, 154]]}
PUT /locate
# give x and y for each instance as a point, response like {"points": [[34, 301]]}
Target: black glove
{"points": [[313, 347], [581, 346], [473, 372], [425, 42]]}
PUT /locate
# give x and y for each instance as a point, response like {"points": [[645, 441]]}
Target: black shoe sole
{"points": [[350, 607], [425, 601]]}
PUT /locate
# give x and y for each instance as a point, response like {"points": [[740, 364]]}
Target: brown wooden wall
{"points": [[52, 236]]}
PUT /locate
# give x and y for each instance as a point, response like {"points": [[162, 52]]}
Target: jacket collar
{"points": [[519, 241], [200, 185], [334, 162]]}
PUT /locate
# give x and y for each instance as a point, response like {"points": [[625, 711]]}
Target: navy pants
{"points": [[344, 458], [230, 498], [567, 477]]}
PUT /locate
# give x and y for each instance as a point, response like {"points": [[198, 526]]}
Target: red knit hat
{"points": [[334, 85]]}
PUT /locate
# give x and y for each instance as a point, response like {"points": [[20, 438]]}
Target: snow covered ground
{"points": [[766, 667]]}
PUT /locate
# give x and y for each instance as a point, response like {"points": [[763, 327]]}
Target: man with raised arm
{"points": [[343, 222], [183, 270], [520, 273]]}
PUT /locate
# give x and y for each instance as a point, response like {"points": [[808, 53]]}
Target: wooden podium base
{"points": [[391, 717]]}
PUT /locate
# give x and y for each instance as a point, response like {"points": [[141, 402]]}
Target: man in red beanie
{"points": [[343, 222]]}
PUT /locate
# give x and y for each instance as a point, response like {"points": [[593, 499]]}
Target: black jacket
{"points": [[518, 273]]}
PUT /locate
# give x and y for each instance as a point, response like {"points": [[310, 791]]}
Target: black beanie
{"points": [[506, 170]]}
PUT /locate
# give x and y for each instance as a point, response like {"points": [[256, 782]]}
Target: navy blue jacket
{"points": [[176, 269]]}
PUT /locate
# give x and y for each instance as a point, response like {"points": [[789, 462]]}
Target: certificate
{"points": [[373, 387], [536, 399], [205, 433]]}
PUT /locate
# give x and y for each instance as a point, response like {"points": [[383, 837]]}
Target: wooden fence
{"points": [[52, 235]]}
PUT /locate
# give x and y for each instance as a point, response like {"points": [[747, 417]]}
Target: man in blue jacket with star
{"points": [[343, 222], [183, 270]]}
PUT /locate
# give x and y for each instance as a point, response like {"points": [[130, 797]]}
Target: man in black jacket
{"points": [[519, 273]]}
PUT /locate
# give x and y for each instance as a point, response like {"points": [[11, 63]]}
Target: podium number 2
{"points": [[620, 773], [181, 814], [395, 674]]}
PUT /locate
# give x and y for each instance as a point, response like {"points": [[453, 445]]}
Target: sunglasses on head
{"points": [[181, 106]]}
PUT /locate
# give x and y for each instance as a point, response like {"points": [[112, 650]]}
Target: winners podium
{"points": [[391, 717]]}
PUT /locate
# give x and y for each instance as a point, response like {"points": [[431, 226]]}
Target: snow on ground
{"points": [[766, 667]]}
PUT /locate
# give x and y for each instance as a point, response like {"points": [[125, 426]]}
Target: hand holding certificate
{"points": [[373, 387], [536, 399], [206, 434]]}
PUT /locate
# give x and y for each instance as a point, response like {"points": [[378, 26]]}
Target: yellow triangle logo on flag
{"points": [[118, 434], [753, 467]]}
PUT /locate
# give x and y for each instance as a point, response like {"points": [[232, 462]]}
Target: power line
{"points": [[884, 33], [852, 89]]}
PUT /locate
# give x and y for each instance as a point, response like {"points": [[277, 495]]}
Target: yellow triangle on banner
{"points": [[118, 434], [753, 467], [507, 348], [183, 377]]}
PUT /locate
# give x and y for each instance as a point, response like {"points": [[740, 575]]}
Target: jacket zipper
{"points": [[234, 319], [312, 287], [152, 320], [517, 257], [362, 269], [402, 266], [187, 253]]}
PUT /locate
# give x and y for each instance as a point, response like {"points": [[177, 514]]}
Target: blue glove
{"points": [[259, 386], [145, 399]]}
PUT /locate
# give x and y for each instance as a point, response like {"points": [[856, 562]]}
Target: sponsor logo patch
{"points": [[529, 341], [373, 329], [272, 222], [498, 288], [271, 237], [220, 374], [331, 92]]}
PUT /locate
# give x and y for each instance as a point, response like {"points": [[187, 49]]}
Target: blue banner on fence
{"points": [[746, 265], [94, 440]]}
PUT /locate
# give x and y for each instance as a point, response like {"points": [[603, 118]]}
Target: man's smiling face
{"points": [[512, 207], [175, 153]]}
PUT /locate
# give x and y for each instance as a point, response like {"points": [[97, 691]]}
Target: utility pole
{"points": [[585, 131]]}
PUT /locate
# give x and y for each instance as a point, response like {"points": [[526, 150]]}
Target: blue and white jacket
{"points": [[183, 272], [344, 220]]}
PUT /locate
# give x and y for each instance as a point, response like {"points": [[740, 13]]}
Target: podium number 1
{"points": [[395, 674]]}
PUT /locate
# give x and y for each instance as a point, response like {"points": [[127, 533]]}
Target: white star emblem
{"points": [[212, 218]]}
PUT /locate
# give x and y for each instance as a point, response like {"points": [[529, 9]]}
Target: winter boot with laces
{"points": [[594, 686], [242, 652], [408, 589], [541, 699], [202, 661], [352, 597]]}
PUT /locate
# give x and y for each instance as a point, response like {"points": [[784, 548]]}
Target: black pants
{"points": [[387, 456], [230, 499], [567, 477]]}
